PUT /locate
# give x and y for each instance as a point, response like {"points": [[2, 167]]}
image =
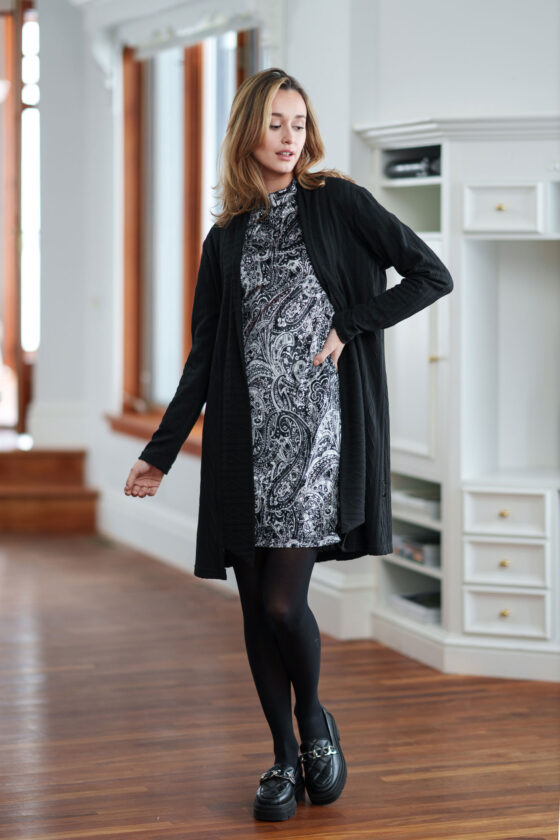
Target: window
{"points": [[176, 106], [20, 212], [30, 187]]}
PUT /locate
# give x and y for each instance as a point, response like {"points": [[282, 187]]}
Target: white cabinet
{"points": [[514, 208], [507, 612], [474, 397], [414, 349], [520, 604], [495, 560], [515, 513]]}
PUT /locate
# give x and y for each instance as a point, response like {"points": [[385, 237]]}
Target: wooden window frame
{"points": [[135, 419], [20, 361]]}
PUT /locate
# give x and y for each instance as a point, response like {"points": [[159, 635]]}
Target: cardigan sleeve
{"points": [[190, 396], [391, 243]]}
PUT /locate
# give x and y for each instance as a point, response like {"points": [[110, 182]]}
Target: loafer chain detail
{"points": [[324, 765], [287, 773], [317, 752], [281, 788]]}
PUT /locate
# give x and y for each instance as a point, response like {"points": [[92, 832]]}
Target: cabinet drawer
{"points": [[504, 612], [512, 207], [495, 561], [506, 513]]}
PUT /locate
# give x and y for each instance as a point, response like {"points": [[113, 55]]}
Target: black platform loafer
{"points": [[324, 765], [281, 788]]}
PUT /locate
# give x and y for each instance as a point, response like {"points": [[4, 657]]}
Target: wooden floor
{"points": [[127, 711]]}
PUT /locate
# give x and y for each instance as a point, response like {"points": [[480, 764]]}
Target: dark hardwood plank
{"points": [[128, 711]]}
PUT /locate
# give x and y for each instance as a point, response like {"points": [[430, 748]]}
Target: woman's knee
{"points": [[282, 613]]}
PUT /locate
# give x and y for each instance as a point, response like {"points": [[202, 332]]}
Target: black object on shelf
{"points": [[416, 168], [430, 600]]}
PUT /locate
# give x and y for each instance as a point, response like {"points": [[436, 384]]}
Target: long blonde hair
{"points": [[241, 185]]}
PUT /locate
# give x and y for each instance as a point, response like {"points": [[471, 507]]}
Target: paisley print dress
{"points": [[295, 405]]}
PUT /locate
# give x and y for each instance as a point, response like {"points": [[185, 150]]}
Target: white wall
{"points": [[363, 90], [437, 58], [328, 48], [317, 50], [59, 372]]}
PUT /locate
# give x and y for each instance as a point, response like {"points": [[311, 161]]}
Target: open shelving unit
{"points": [[415, 200], [416, 531]]}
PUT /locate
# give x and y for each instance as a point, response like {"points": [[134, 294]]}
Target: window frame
{"points": [[137, 418]]}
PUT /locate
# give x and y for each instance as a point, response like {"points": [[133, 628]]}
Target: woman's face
{"points": [[284, 140]]}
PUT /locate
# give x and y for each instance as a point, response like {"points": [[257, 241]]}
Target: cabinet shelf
{"points": [[538, 477], [429, 631], [415, 199], [510, 237], [420, 181], [416, 518], [430, 571], [401, 578]]}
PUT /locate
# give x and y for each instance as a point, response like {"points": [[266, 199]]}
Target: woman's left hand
{"points": [[332, 347]]}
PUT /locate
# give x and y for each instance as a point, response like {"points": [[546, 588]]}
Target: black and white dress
{"points": [[295, 405]]}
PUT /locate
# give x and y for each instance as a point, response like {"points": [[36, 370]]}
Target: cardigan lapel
{"points": [[303, 197], [234, 236], [237, 481]]}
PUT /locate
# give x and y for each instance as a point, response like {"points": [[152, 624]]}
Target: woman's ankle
{"points": [[312, 724], [286, 752]]}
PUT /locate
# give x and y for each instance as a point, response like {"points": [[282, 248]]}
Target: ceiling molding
{"points": [[419, 132], [153, 25]]}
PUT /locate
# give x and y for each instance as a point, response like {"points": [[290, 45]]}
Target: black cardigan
{"points": [[351, 239]]}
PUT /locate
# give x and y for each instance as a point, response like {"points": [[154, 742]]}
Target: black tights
{"points": [[283, 643]]}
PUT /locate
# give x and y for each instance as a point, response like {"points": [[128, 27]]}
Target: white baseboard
{"points": [[505, 664], [422, 644], [58, 423], [341, 595], [454, 654], [155, 530]]}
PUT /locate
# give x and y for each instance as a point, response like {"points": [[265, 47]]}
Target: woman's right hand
{"points": [[143, 480]]}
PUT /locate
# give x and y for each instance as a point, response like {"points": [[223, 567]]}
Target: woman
{"points": [[287, 354]]}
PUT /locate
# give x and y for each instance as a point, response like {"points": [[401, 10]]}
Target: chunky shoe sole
{"points": [[333, 794], [277, 813]]}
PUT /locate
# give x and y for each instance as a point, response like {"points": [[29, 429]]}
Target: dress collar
{"points": [[281, 196]]}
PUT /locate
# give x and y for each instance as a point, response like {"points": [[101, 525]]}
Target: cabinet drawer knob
{"points": [[505, 613], [505, 563], [500, 207], [503, 514]]}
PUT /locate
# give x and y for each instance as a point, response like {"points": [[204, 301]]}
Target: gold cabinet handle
{"points": [[503, 514], [505, 563], [500, 207], [505, 613], [435, 358]]}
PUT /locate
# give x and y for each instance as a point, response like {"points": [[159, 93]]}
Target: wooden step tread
{"points": [[26, 491], [48, 509], [42, 466], [26, 454]]}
